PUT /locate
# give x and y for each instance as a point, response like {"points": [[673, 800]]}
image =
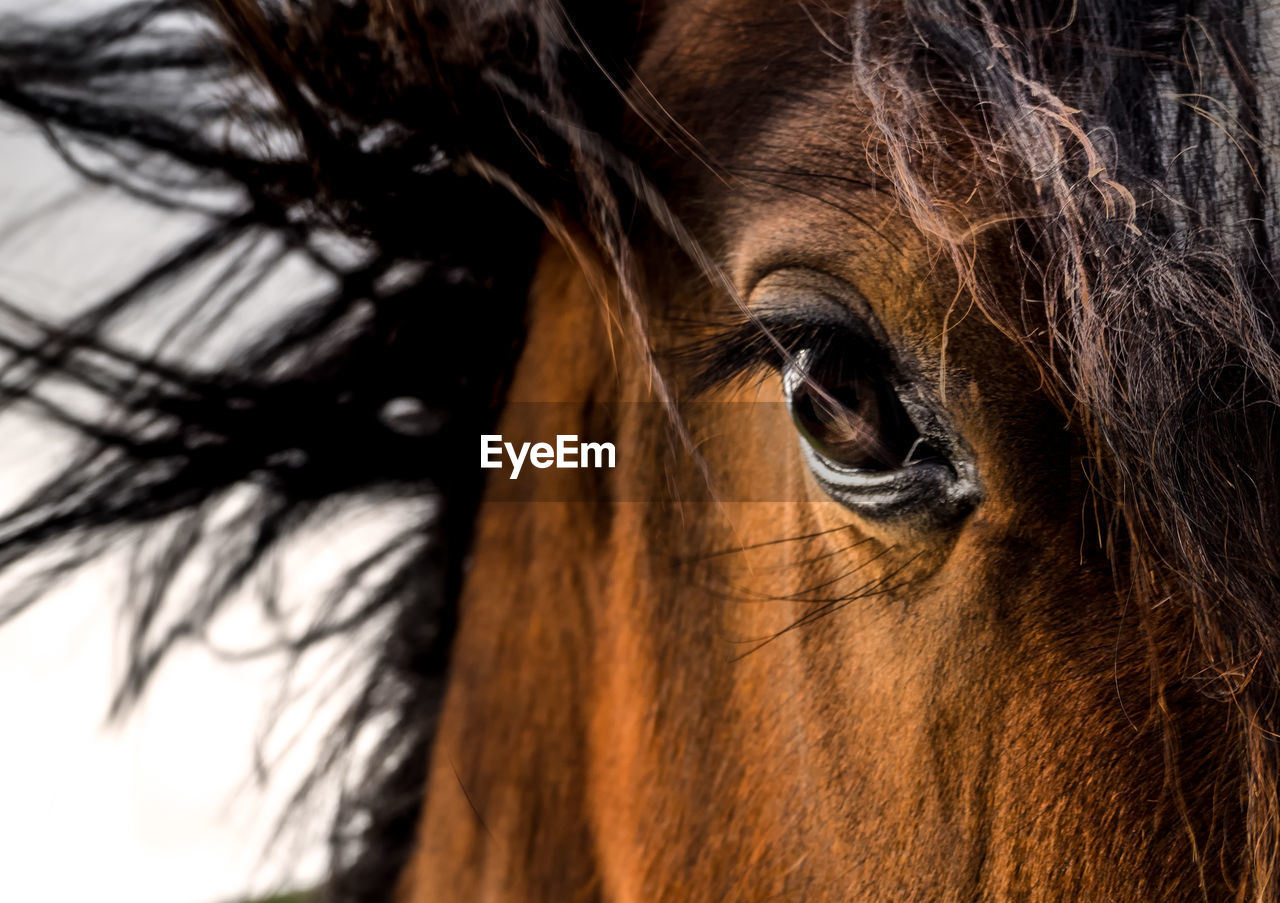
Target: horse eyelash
{"points": [[752, 349]]}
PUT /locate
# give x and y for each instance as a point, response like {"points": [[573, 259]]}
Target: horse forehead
{"points": [[723, 67], [763, 112]]}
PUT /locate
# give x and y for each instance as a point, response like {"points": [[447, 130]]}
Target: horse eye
{"points": [[851, 418], [866, 448]]}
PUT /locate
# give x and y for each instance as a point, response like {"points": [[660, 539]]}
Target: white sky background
{"points": [[161, 809]]}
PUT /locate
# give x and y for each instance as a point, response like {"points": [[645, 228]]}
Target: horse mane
{"points": [[419, 153], [307, 129]]}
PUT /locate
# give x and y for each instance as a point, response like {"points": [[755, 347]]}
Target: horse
{"points": [[937, 343]]}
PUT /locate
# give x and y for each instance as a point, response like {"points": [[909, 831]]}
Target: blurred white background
{"points": [[163, 808]]}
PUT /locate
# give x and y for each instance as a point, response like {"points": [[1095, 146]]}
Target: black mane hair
{"points": [[419, 153], [372, 146]]}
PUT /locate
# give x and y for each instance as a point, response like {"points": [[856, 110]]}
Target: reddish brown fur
{"points": [[982, 732]]}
